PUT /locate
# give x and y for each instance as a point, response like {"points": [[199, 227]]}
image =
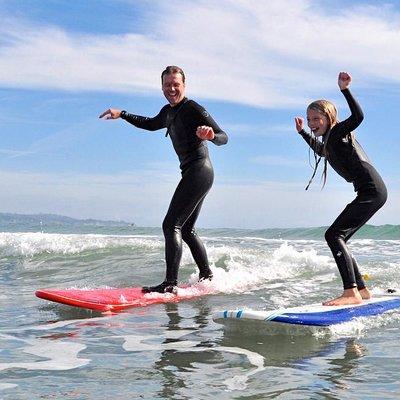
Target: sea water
{"points": [[176, 351]]}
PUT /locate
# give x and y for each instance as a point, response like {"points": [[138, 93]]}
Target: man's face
{"points": [[173, 88]]}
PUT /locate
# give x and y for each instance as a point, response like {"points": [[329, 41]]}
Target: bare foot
{"points": [[349, 296], [365, 293]]}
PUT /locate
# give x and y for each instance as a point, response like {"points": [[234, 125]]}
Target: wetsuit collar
{"points": [[177, 106]]}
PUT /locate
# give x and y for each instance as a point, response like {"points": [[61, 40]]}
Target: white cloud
{"points": [[269, 54], [143, 197], [120, 196], [14, 153], [272, 204], [261, 53]]}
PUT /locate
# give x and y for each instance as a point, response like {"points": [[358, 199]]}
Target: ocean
{"points": [[176, 351]]}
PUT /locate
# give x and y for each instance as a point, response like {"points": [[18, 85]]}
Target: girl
{"points": [[340, 148]]}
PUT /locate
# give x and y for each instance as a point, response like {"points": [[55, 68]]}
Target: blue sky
{"points": [[254, 65]]}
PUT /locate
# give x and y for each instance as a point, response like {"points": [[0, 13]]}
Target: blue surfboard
{"points": [[313, 314]]}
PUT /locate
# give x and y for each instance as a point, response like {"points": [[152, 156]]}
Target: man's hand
{"points": [[111, 113], [205, 132]]}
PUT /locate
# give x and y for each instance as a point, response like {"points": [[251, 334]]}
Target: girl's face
{"points": [[317, 122]]}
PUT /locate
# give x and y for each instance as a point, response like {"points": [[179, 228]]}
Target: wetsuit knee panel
{"points": [[328, 235], [188, 234], [170, 226], [381, 197], [165, 225], [376, 199], [332, 236]]}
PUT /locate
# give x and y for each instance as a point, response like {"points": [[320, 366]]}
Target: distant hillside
{"points": [[53, 219]]}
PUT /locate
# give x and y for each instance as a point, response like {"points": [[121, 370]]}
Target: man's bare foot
{"points": [[349, 296], [365, 293]]}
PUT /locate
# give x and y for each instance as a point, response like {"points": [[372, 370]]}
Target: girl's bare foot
{"points": [[365, 293], [349, 296]]}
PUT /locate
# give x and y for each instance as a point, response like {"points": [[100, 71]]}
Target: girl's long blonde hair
{"points": [[329, 110]]}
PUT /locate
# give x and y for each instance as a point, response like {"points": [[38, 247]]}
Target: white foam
{"points": [[239, 382], [60, 356], [30, 244], [248, 269], [140, 343], [50, 326], [4, 386], [151, 343], [370, 247], [358, 327]]}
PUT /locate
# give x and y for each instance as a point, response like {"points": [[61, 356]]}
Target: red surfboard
{"points": [[113, 299]]}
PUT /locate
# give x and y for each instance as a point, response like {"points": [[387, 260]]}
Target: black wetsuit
{"points": [[349, 160], [181, 122]]}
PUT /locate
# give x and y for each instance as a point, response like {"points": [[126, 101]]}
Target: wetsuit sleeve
{"points": [[205, 118], [220, 137], [149, 124], [313, 142], [343, 128]]}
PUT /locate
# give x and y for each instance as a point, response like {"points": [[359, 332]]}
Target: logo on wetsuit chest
{"points": [[205, 114]]}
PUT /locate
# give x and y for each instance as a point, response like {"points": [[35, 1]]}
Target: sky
{"points": [[254, 65]]}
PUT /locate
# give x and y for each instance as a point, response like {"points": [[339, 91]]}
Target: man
{"points": [[190, 127]]}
